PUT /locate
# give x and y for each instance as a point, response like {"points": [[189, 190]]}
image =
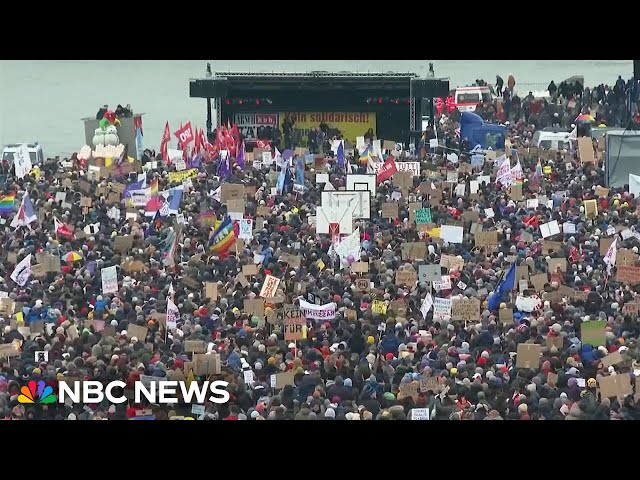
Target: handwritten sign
{"points": [[467, 310]]}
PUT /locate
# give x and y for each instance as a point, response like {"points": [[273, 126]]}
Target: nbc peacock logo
{"points": [[36, 392]]}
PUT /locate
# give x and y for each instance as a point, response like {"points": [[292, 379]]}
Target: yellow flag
{"points": [[190, 378], [320, 264], [19, 317]]}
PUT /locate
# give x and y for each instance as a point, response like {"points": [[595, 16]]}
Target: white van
{"points": [[35, 152], [552, 139], [467, 98]]}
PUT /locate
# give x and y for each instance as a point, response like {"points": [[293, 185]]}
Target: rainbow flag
{"points": [[6, 203], [154, 187], [518, 182], [223, 237]]}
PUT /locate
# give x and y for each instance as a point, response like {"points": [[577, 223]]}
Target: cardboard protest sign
{"points": [[8, 350], [429, 384], [451, 262], [211, 290], [612, 359], [470, 216], [585, 150], [137, 331], [631, 309], [294, 324], [602, 192], [362, 284], [516, 192], [404, 277], [505, 315], [590, 208], [231, 191], [550, 246], [292, 260], [486, 239], [195, 346], [625, 257], [133, 266], [618, 386], [593, 333], [254, 307], [236, 206], [528, 355], [555, 263], [467, 310], [249, 270], [206, 364], [191, 283], [360, 267], [123, 243], [285, 378], [539, 280], [390, 210], [263, 211], [408, 390], [412, 210], [413, 250], [628, 274]]}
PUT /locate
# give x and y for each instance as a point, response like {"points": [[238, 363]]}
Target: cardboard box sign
{"points": [[360, 267], [263, 211], [406, 278], [555, 263], [137, 331], [605, 243], [86, 202], [549, 246], [211, 291], [399, 307], [466, 310], [123, 243], [285, 378], [486, 239], [412, 210], [191, 283], [195, 346], [451, 262], [414, 250], [231, 191], [134, 266], [236, 206], [206, 364], [249, 270], [618, 386], [292, 260], [409, 390], [429, 384], [8, 350], [528, 355], [631, 309], [471, 216], [362, 284], [254, 307], [506, 315], [294, 324], [539, 280], [585, 150], [390, 210], [612, 359]]}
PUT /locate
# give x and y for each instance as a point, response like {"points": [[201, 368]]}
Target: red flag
{"points": [[388, 169], [137, 123], [235, 133], [166, 137], [185, 135], [197, 146], [62, 230]]}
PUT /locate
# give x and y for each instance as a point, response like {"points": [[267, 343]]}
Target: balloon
{"points": [[350, 259], [345, 262], [104, 123], [110, 116]]}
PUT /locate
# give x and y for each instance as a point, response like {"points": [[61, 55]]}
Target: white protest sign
{"points": [[109, 279]]}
